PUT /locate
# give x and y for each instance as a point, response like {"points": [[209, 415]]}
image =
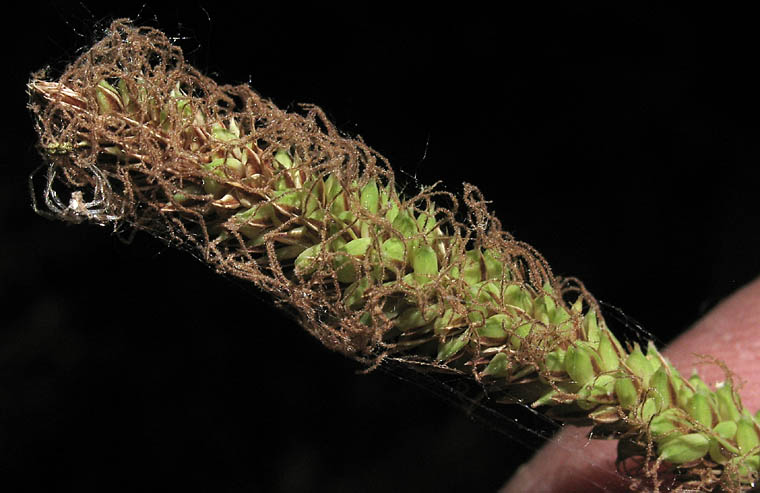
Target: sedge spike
{"points": [[283, 200]]}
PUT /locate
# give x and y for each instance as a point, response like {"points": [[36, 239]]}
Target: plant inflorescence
{"points": [[140, 139]]}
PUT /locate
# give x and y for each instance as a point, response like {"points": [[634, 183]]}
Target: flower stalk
{"points": [[284, 200]]}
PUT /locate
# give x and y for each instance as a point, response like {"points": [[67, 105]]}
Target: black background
{"points": [[623, 144]]}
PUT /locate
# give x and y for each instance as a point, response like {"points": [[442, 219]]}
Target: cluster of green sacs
{"points": [[686, 419]]}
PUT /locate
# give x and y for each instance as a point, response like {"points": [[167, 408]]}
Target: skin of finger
{"points": [[573, 463]]}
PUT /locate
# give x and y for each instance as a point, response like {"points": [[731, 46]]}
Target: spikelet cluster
{"points": [[134, 137]]}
